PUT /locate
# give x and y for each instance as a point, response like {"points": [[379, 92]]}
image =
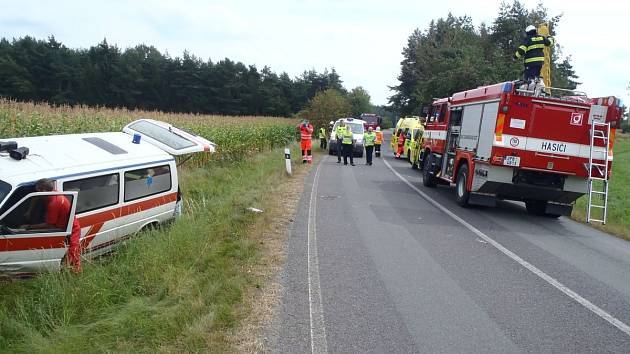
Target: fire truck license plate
{"points": [[513, 161]]}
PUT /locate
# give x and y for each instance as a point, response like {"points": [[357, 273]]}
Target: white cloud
{"points": [[361, 39]]}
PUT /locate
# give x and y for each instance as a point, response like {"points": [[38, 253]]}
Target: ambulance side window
{"points": [[5, 188], [32, 216], [147, 181], [19, 193], [95, 192]]}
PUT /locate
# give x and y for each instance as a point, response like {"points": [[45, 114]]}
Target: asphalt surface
{"points": [[379, 269]]}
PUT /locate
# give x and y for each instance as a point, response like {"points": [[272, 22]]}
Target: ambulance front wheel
{"points": [[460, 189]]}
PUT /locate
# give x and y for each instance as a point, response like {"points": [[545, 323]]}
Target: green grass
{"points": [[175, 289], [618, 222]]}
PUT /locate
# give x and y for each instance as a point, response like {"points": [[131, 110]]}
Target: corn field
{"points": [[236, 137]]}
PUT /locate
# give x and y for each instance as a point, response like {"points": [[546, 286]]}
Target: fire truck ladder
{"points": [[598, 173]]}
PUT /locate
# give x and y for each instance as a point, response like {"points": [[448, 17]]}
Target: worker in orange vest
{"points": [[306, 133], [402, 136], [378, 142]]}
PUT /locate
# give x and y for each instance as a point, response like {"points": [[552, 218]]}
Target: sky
{"points": [[361, 39]]}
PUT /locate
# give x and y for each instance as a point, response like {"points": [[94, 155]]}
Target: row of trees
{"points": [[453, 55], [142, 77], [331, 104]]}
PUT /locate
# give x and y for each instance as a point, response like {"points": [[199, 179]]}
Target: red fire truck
{"points": [[543, 147], [371, 120]]}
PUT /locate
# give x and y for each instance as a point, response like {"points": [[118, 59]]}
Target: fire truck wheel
{"points": [[428, 179], [421, 160], [461, 191]]}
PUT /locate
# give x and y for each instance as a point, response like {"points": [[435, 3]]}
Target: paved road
{"points": [[375, 267]]}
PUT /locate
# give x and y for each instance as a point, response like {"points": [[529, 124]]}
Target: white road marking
{"points": [[544, 276], [316, 310]]}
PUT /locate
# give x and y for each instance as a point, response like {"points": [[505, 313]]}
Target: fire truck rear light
{"points": [[505, 109], [611, 142], [499, 127]]}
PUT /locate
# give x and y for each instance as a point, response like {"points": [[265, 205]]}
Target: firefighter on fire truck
{"points": [[531, 50]]}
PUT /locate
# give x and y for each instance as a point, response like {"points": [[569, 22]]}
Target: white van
{"points": [[118, 183], [357, 127]]}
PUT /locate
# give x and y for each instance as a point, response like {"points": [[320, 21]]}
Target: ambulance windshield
{"points": [[5, 188]]}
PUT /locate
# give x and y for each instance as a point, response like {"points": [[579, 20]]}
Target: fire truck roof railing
{"points": [[554, 92]]}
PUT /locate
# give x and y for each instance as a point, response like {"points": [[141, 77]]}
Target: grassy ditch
{"points": [[175, 289], [618, 222]]}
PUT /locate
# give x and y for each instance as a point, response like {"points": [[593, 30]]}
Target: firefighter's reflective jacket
{"points": [[532, 48]]}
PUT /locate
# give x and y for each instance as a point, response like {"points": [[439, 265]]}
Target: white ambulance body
{"points": [[116, 186]]}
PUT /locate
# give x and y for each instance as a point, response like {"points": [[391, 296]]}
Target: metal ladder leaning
{"points": [[598, 173]]}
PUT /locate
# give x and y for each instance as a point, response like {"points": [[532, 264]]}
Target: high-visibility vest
{"points": [[322, 133], [369, 138], [306, 132], [347, 137], [340, 131], [379, 138]]}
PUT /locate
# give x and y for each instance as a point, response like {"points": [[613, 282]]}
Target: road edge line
{"points": [[316, 309], [544, 276]]}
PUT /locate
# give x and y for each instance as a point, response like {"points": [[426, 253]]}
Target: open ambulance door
{"points": [[27, 243], [168, 138]]}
